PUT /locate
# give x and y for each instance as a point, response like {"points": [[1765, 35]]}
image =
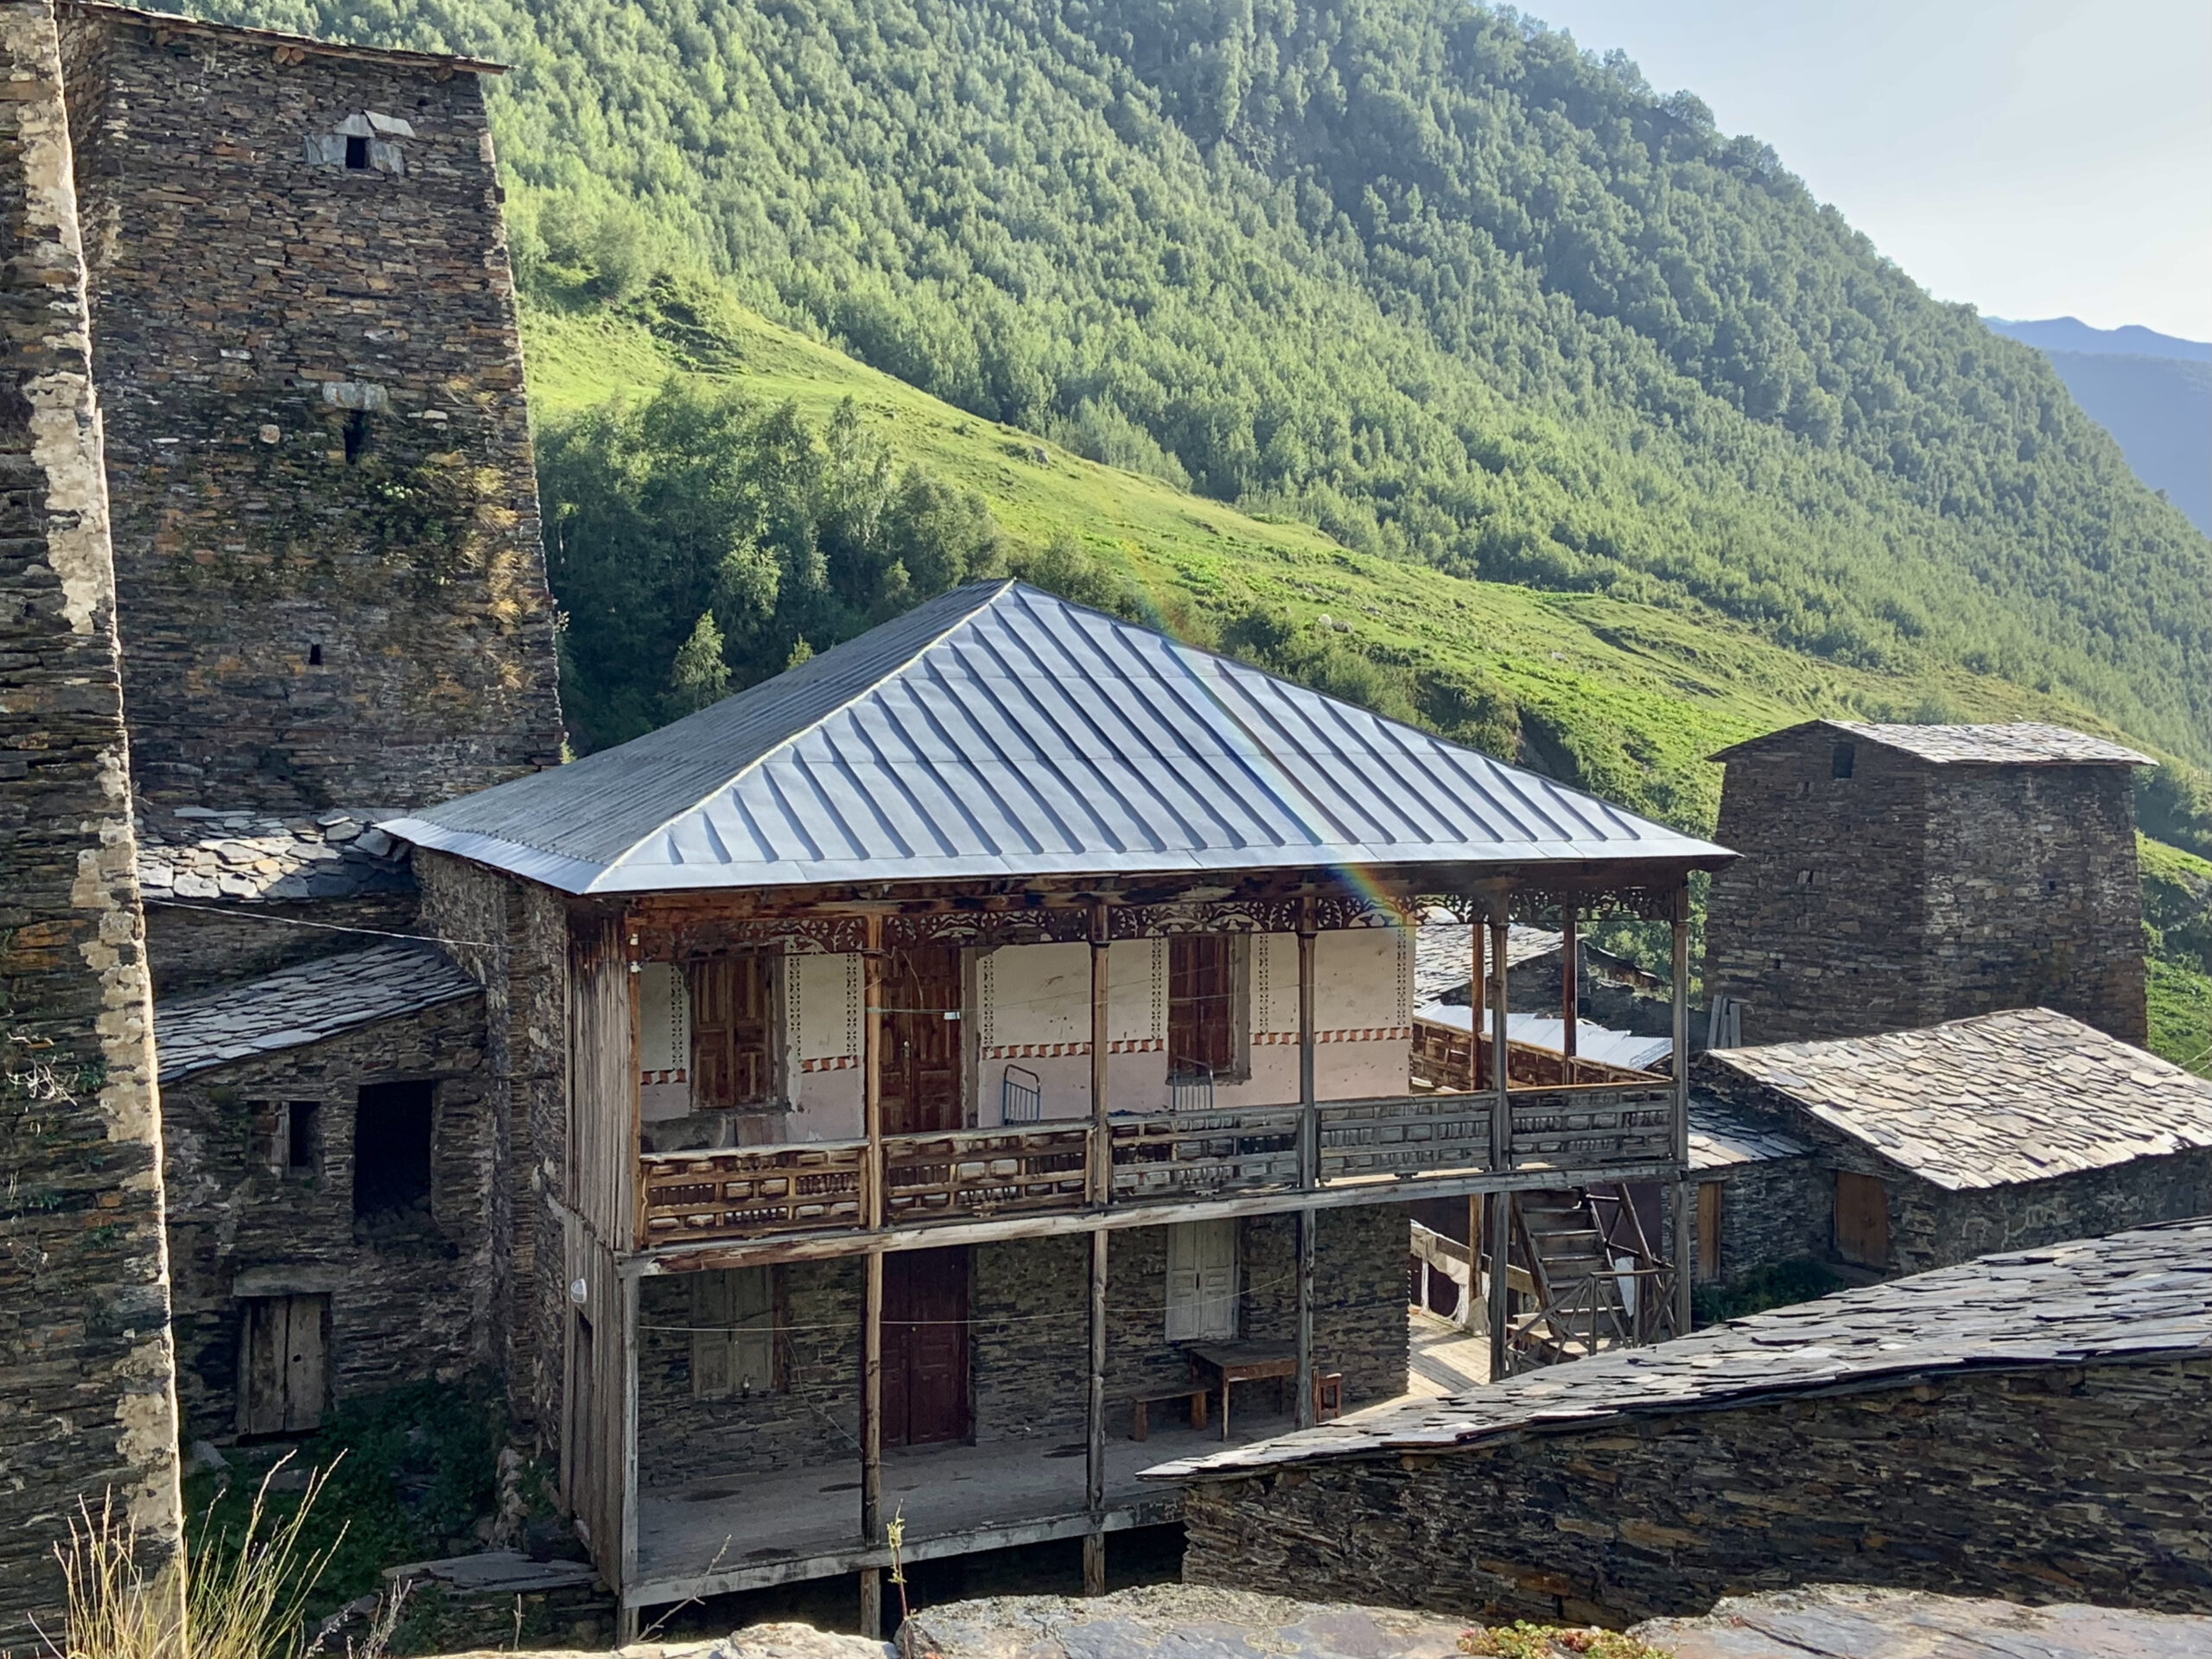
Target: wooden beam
{"points": [[1478, 999], [1309, 1113], [1468, 1315], [1094, 1541], [1102, 1133], [872, 1071], [872, 1439], [1570, 984], [1501, 1147], [628, 1299], [1308, 1224], [1683, 1217]]}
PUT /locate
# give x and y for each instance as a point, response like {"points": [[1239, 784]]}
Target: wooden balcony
{"points": [[1576, 1133]]}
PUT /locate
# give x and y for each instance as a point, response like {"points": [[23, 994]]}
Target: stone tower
{"points": [[1895, 876], [87, 1399]]}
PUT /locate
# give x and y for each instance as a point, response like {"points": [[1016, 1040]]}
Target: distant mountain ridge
{"points": [[2152, 391], [2072, 334]]}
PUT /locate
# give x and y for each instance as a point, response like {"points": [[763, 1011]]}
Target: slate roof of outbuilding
{"points": [[192, 854], [2135, 1295], [998, 731], [2022, 743], [2023, 1094], [1444, 953], [306, 1004], [1722, 1137]]}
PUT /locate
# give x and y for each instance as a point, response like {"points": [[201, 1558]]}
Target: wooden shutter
{"points": [[734, 1331], [1201, 1025], [730, 1032], [1862, 1219], [1202, 1281], [1708, 1229]]}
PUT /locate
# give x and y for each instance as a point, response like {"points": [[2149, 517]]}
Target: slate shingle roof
{"points": [[2134, 1295], [2020, 1095], [1721, 1137], [999, 731], [2022, 743], [1444, 953], [199, 855], [303, 1004]]}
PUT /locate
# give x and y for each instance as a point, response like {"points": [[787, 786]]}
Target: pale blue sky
{"points": [[2039, 158]]}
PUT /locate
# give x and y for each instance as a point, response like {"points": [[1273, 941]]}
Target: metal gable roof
{"points": [[999, 731]]}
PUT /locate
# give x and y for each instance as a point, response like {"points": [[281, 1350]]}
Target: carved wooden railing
{"points": [[975, 1173], [1401, 1136], [1199, 1155], [752, 1192], [1593, 1126], [1440, 1060]]}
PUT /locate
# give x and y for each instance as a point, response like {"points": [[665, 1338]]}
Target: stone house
{"points": [[1899, 876], [1927, 1147], [996, 1026], [272, 571], [2025, 1426]]}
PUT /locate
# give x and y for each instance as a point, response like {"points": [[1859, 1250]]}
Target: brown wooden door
{"points": [[924, 1346], [283, 1372], [1201, 1032], [921, 1040], [730, 1031], [1862, 1219]]}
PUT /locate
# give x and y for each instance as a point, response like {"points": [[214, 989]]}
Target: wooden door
{"points": [[730, 1031], [924, 1346], [921, 1040], [1201, 1026], [283, 1372], [1202, 1281], [1862, 1219]]}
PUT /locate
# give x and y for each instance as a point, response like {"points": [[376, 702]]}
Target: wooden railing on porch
{"points": [[753, 1192]]}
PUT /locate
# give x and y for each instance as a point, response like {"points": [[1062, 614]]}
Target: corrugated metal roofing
{"points": [[2022, 743], [998, 731], [1591, 1042]]}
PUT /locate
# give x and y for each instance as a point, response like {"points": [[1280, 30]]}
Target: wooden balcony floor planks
{"points": [[743, 1531]]}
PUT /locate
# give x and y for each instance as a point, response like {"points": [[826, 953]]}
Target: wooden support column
{"points": [[872, 1300], [1469, 1303], [1102, 1132], [1684, 1206], [1093, 1493], [1500, 1207], [627, 1620], [1309, 1163], [1478, 999], [1570, 983]]}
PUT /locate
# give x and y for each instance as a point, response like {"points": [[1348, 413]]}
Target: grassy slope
{"points": [[1638, 695]]}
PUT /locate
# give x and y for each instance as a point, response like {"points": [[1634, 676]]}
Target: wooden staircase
{"points": [[1598, 1284]]}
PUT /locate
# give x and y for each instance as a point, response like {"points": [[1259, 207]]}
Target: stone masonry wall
{"points": [[87, 1397], [1778, 1209], [1029, 1352], [2033, 898], [2039, 1484], [1910, 894], [1818, 926], [513, 936], [326, 515], [406, 1303]]}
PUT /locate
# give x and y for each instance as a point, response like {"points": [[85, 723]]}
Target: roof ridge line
{"points": [[1005, 584]]}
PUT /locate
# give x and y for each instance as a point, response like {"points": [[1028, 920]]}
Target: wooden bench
{"points": [[1141, 1406]]}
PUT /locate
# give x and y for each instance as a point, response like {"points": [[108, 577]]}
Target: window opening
{"points": [[303, 1137], [315, 655], [357, 154], [733, 1332], [730, 1003], [1843, 760], [357, 435], [1201, 1024], [391, 1152]]}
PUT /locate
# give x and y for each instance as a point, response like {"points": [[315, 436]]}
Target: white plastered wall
{"points": [[1363, 1014], [664, 1042], [821, 1047], [1032, 1009]]}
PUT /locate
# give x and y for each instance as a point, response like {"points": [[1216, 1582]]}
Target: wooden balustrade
{"points": [[977, 1173], [1593, 1126], [1401, 1136], [756, 1192], [752, 1192], [1198, 1154]]}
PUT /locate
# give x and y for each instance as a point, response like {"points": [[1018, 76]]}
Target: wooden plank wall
{"points": [[596, 1455], [602, 1082]]}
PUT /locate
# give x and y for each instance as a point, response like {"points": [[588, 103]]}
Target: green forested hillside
{"points": [[1416, 273]]}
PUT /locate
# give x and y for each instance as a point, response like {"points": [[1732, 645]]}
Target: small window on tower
{"points": [[357, 154], [1843, 760], [303, 1137]]}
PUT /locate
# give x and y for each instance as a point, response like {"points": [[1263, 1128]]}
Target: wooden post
{"points": [[1684, 1215], [872, 1299], [1102, 1132], [1478, 999], [1309, 1222], [1500, 1149], [1468, 1316], [626, 1622], [1094, 1497], [1570, 983]]}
